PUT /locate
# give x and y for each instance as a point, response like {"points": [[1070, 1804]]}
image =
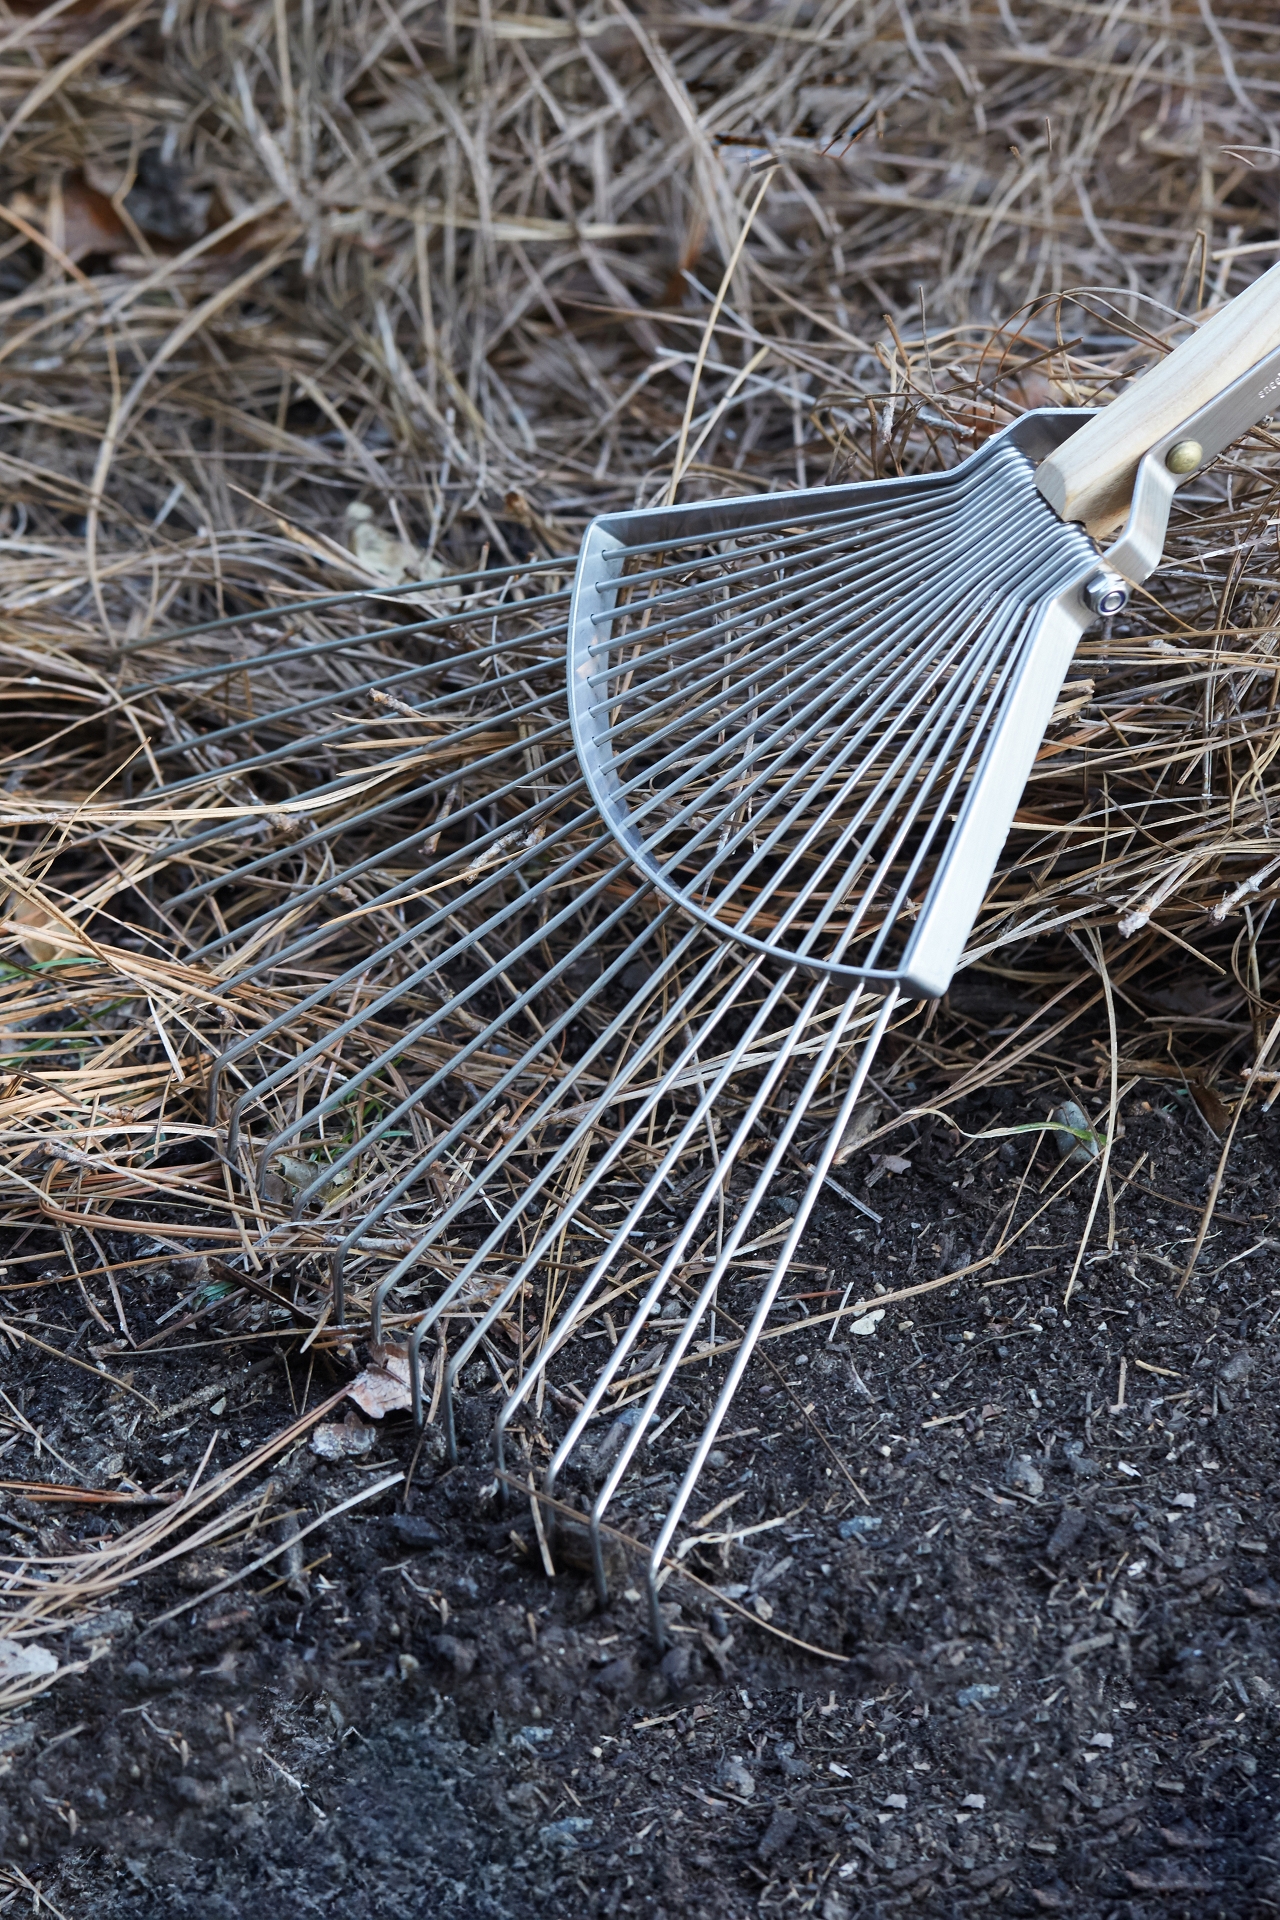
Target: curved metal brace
{"points": [[1209, 431]]}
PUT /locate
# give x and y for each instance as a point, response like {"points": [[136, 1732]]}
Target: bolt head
{"points": [[1184, 457], [1107, 592]]}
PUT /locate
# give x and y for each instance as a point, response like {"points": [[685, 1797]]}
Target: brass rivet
{"points": [[1185, 457]]}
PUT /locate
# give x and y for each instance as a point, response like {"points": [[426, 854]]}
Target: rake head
{"points": [[808, 718]]}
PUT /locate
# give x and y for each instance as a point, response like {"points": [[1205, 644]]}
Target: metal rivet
{"points": [[1184, 457]]}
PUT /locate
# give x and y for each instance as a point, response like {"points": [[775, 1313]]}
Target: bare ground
{"points": [[1053, 1624]]}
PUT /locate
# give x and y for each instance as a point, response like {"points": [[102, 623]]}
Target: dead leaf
{"points": [[90, 224], [21, 1661], [384, 554], [77, 219], [862, 1121], [46, 941], [296, 1175], [383, 1387], [1212, 1105], [342, 1439]]}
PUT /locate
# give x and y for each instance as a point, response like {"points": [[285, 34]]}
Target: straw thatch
{"points": [[303, 301]]}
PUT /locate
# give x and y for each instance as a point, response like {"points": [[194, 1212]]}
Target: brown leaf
{"points": [[90, 224], [1211, 1104], [46, 941]]}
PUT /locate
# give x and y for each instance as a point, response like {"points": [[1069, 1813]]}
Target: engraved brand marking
{"points": [[1270, 387]]}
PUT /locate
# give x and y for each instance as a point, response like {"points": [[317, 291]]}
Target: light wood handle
{"points": [[1091, 475]]}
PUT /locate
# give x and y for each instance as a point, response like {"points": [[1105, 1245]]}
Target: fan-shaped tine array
{"points": [[781, 722]]}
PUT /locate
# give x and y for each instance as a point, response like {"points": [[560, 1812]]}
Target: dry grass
{"points": [[302, 302]]}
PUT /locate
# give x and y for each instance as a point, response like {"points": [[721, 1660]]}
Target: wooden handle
{"points": [[1091, 475]]}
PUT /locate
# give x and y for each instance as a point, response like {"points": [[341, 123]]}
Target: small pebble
{"points": [[782, 1825], [974, 1696], [1072, 1121], [564, 1833], [734, 1778], [859, 1526], [1021, 1475], [1072, 1523]]}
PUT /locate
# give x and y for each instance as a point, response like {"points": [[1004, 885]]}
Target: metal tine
{"points": [[1014, 622], [673, 1020], [343, 695], [874, 576], [431, 970], [864, 678], [854, 677], [403, 1106], [372, 862], [702, 570], [920, 749], [786, 654], [911, 796], [740, 979], [903, 494], [499, 1025], [539, 1116], [328, 1173], [525, 825], [446, 870], [922, 743], [727, 1159], [960, 570], [549, 881], [714, 1278], [795, 584], [698, 804], [323, 602], [1023, 629], [314, 742], [390, 895], [349, 824], [674, 1017], [764, 1307], [744, 1133], [783, 1057], [903, 534], [766, 651], [822, 766], [444, 1142], [384, 858], [614, 1093], [317, 649]]}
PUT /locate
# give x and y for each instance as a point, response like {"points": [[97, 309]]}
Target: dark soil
{"points": [[1056, 1621]]}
